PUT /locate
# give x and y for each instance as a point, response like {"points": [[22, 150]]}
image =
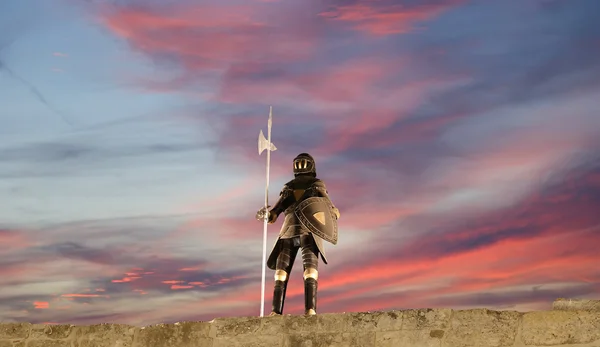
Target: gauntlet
{"points": [[260, 215]]}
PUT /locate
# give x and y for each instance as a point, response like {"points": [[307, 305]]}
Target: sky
{"points": [[459, 140]]}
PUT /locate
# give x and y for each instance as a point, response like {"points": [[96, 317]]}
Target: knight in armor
{"points": [[295, 235]]}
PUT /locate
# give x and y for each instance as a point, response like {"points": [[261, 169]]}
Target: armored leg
{"points": [[285, 262], [281, 281], [310, 261]]}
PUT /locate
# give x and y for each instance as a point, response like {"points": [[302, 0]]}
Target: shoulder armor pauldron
{"points": [[319, 185], [286, 191]]}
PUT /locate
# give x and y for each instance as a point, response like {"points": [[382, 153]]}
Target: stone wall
{"points": [[570, 323]]}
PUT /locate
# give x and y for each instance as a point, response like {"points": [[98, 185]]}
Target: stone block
{"points": [[363, 339], [13, 344], [482, 328], [426, 319], [372, 321], [409, 338], [551, 328], [49, 343], [14, 330], [300, 324], [54, 332], [332, 322], [231, 327], [104, 335], [273, 325], [248, 341], [184, 334]]}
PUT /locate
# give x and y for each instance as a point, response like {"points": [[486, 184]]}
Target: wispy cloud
{"points": [[389, 17]]}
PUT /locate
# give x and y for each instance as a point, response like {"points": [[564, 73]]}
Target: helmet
{"points": [[304, 164]]}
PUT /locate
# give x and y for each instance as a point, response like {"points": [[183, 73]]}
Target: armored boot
{"points": [[310, 261], [278, 297], [310, 296]]}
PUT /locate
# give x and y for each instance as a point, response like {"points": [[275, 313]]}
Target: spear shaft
{"points": [[264, 255]]}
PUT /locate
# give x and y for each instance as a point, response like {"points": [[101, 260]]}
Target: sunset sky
{"points": [[459, 139]]}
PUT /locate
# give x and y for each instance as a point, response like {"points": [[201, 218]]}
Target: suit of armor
{"points": [[294, 236]]}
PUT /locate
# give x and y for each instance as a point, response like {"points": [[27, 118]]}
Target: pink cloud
{"points": [[199, 284], [348, 82], [367, 17], [125, 279], [196, 268], [41, 305], [171, 282], [84, 296], [350, 101], [211, 38], [14, 239]]}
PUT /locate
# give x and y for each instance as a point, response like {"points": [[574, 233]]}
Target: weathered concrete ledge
{"points": [[567, 325], [576, 305]]}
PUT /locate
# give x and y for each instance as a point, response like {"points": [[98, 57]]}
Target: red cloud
{"points": [[125, 279], [346, 83], [210, 38], [41, 304], [413, 131], [196, 268], [84, 296], [199, 284], [386, 20], [352, 100], [171, 282]]}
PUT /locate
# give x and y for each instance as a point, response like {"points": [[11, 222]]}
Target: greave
{"points": [[310, 295], [279, 296]]}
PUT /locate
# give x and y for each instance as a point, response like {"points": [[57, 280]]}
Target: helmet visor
{"points": [[302, 165]]}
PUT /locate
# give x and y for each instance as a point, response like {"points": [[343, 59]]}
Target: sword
{"points": [[265, 144]]}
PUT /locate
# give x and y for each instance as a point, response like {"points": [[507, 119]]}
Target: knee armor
{"points": [[281, 275], [311, 273]]}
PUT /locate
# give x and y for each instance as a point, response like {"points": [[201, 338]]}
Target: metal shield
{"points": [[316, 215]]}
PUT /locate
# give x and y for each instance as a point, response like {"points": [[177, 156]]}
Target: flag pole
{"points": [[264, 255]]}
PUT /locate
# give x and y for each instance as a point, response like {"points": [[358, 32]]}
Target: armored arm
{"points": [[322, 191], [279, 206]]}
